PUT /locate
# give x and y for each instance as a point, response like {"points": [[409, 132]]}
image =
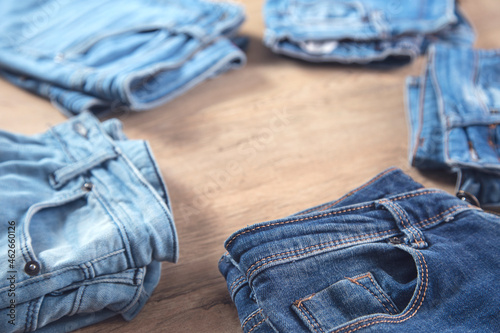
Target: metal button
{"points": [[87, 187], [32, 268], [466, 196]]}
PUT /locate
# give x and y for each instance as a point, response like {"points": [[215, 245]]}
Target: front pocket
{"points": [[347, 300], [392, 292]]}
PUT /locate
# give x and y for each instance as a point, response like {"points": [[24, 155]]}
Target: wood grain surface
{"points": [[260, 143]]}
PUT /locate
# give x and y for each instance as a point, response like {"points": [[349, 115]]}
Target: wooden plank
{"points": [[257, 144]]}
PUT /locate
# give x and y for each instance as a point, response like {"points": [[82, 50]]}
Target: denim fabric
{"points": [[96, 55], [350, 31], [390, 256], [454, 112], [93, 219]]}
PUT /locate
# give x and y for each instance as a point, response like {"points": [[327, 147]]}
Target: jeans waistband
{"points": [[381, 212], [117, 170]]}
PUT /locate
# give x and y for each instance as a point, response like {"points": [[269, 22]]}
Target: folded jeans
{"points": [[86, 221], [390, 256]]}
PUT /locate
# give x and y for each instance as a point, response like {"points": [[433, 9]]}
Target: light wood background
{"points": [[257, 144]]}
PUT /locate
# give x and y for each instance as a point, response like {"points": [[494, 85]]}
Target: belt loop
{"points": [[65, 174], [414, 236]]}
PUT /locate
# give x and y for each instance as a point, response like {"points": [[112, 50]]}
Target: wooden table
{"points": [[257, 144]]}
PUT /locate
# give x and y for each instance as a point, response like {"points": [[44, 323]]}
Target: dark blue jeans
{"points": [[390, 256]]}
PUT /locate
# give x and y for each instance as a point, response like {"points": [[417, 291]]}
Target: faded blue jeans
{"points": [[85, 220], [99, 55], [362, 31], [389, 256], [454, 116]]}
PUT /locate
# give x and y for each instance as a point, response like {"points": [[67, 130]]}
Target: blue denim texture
{"points": [[362, 31], [454, 112], [93, 213], [390, 256], [107, 54]]}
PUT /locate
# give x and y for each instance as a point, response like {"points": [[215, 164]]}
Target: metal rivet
{"points": [[87, 187], [32, 268], [80, 129], [395, 240], [466, 196], [59, 58]]}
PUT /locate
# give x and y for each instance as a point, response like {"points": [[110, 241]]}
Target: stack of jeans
{"points": [[362, 31], [454, 117], [389, 256], [85, 221], [106, 54]]}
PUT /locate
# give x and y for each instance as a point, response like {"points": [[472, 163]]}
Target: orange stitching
{"points": [[235, 281], [307, 317], [403, 314], [254, 326], [299, 302], [248, 319], [413, 195], [442, 213], [399, 321], [382, 293], [371, 292], [297, 220], [327, 214], [318, 245], [239, 284], [410, 228], [359, 277], [351, 193]]}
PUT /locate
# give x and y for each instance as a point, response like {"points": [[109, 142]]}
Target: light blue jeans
{"points": [[454, 116], [99, 55], [84, 223], [362, 31], [389, 256]]}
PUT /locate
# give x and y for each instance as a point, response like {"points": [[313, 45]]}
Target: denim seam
{"points": [[350, 193], [133, 300], [403, 315], [249, 318], [235, 281], [255, 326], [61, 142], [319, 247], [233, 287], [26, 247], [81, 291], [423, 89], [297, 220], [440, 103], [308, 315], [62, 271], [368, 275], [156, 196], [87, 283], [414, 231], [447, 212], [117, 221], [475, 79], [328, 214], [29, 317], [156, 171]]}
